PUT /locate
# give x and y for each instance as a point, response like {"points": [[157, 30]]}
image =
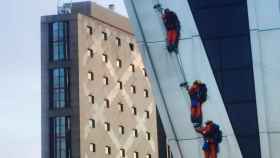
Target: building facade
{"points": [[96, 97], [232, 46]]}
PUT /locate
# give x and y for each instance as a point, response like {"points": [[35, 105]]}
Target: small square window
{"points": [[91, 99], [90, 76], [146, 93], [89, 30], [92, 123], [144, 72], [107, 103], [120, 85], [122, 152], [118, 41], [131, 68], [131, 46], [105, 37], [92, 147], [148, 135], [90, 53], [105, 80], [135, 133], [104, 58], [134, 110], [108, 150], [107, 126], [147, 114], [119, 63], [148, 156], [120, 107], [133, 89], [121, 130], [135, 154]]}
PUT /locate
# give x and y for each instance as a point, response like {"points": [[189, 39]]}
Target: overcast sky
{"points": [[20, 74]]}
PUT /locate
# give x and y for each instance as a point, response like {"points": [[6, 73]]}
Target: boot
{"points": [[169, 49]]}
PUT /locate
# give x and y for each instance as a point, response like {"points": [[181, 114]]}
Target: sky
{"points": [[20, 80]]}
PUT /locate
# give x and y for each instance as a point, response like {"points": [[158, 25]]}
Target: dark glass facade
{"points": [[58, 41], [59, 88], [60, 135], [224, 30]]}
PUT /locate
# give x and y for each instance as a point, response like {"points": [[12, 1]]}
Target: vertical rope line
{"points": [[156, 76]]}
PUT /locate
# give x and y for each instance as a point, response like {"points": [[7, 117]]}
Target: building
{"points": [[96, 97], [232, 46]]}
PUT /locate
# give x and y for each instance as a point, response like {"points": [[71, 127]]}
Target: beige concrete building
{"points": [[96, 97]]}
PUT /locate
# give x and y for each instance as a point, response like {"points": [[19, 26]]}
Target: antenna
{"points": [[64, 6]]}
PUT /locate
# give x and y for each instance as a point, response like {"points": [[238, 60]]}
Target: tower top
{"points": [[64, 6]]}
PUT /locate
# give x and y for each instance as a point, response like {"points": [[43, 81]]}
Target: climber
{"points": [[172, 25], [196, 102], [212, 137]]}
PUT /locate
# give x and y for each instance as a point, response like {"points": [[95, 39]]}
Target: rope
{"points": [[179, 60], [156, 76]]}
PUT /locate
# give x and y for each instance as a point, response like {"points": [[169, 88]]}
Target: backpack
{"points": [[203, 92], [218, 134]]}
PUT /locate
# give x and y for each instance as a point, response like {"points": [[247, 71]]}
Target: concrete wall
{"points": [[96, 87]]}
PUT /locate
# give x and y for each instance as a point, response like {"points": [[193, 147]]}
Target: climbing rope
{"points": [[156, 76], [160, 9]]}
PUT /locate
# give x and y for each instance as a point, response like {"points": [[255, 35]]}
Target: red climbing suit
{"points": [[210, 147], [172, 25], [196, 110], [172, 37]]}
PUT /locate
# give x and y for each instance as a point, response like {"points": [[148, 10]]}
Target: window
{"points": [[121, 129], [148, 136], [58, 41], [105, 38], [92, 147], [92, 123], [120, 105], [118, 41], [135, 133], [107, 103], [120, 85], [107, 126], [90, 53], [104, 58], [59, 88], [122, 152], [90, 76], [91, 99], [108, 150], [146, 93], [89, 30], [144, 72], [148, 156], [105, 80], [60, 132], [131, 46], [119, 63], [133, 89], [135, 154], [147, 114], [131, 68], [169, 153], [134, 110]]}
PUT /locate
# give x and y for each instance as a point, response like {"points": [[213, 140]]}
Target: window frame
{"points": [[59, 88], [59, 41], [92, 147]]}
